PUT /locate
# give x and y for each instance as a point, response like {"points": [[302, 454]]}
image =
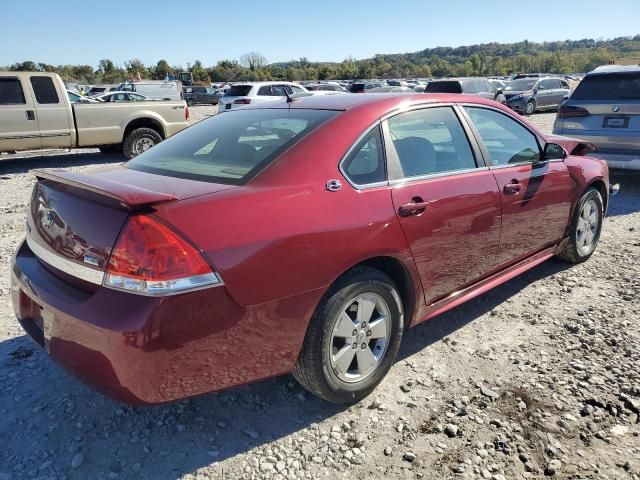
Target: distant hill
{"points": [[487, 59]]}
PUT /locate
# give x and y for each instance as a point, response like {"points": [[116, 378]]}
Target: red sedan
{"points": [[303, 237]]}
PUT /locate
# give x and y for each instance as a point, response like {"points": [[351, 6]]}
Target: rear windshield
{"points": [[232, 147], [238, 91], [444, 87], [616, 86]]}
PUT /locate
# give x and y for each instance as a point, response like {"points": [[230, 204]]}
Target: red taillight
{"points": [[242, 101], [151, 258], [568, 111], [186, 113]]}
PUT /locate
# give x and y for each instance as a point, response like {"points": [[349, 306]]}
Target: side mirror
{"points": [[553, 151], [499, 91]]}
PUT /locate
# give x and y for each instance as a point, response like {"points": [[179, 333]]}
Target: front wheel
{"points": [[139, 141], [530, 107], [585, 229], [353, 337]]}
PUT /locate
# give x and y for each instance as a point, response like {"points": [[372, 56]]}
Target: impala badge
{"points": [[91, 260], [615, 108]]}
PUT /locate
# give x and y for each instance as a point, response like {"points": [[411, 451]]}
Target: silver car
{"points": [[605, 110]]}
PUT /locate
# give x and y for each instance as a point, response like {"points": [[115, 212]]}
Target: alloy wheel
{"points": [[360, 337], [587, 227]]}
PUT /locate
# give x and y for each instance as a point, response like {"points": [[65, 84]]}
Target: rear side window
{"points": [[365, 163], [444, 87], [356, 87], [238, 91], [265, 91], [230, 148], [11, 92], [615, 86]]}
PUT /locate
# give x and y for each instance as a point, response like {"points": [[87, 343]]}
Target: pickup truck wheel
{"points": [[140, 140], [191, 102]]}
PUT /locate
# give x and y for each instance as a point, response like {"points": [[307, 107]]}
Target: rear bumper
{"points": [[145, 350]]}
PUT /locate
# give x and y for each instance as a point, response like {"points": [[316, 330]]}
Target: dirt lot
{"points": [[539, 377]]}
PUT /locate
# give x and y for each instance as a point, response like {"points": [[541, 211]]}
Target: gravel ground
{"points": [[540, 376]]}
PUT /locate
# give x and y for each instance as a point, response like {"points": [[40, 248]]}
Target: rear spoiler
{"points": [[131, 197]]}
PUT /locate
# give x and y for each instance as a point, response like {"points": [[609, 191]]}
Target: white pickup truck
{"points": [[35, 113]]}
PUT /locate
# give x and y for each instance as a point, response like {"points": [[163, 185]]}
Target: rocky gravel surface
{"points": [[537, 378]]}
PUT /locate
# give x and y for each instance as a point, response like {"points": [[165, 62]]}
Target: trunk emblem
{"points": [[615, 108]]}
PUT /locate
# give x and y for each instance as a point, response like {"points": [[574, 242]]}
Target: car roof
{"points": [[382, 101], [604, 69], [239, 84]]}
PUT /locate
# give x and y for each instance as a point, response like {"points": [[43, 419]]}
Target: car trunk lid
{"points": [[75, 218]]}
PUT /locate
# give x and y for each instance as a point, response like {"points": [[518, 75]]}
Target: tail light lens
{"points": [[568, 111], [242, 101], [150, 258], [186, 113]]}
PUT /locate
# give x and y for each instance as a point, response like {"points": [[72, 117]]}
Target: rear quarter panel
{"points": [[587, 171]]}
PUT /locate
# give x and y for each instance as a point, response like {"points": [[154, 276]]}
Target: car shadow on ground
{"points": [[12, 164], [628, 198], [55, 409]]}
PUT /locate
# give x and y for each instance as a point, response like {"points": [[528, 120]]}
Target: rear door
{"points": [[557, 92], [536, 196], [54, 112], [446, 200], [544, 97], [19, 129]]}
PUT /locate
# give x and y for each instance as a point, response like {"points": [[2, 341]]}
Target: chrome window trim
{"points": [[403, 181], [353, 146], [65, 265], [522, 164]]}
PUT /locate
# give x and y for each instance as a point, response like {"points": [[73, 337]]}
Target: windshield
{"points": [[521, 85], [238, 91], [618, 86], [230, 148]]}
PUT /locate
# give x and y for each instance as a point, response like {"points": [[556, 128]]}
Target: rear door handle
{"points": [[417, 206], [512, 188], [31, 115]]}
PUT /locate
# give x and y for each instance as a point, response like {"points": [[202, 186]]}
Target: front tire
{"points": [[585, 229], [353, 337], [139, 140], [530, 108]]}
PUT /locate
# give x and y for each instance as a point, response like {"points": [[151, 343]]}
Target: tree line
{"points": [[490, 59]]}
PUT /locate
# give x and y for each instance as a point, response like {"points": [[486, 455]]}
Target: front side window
{"points": [[430, 141], [11, 92], [230, 148], [365, 163], [44, 90], [507, 141]]}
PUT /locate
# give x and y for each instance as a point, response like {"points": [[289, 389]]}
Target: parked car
{"points": [[123, 97], [605, 110], [479, 87], [329, 87], [77, 98], [529, 95], [35, 113], [194, 95], [305, 236], [155, 89], [391, 89], [100, 90], [241, 94]]}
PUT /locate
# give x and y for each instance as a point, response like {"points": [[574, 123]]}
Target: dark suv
{"points": [[480, 87], [194, 95]]}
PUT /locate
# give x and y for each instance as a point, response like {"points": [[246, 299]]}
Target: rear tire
{"points": [[585, 229], [191, 102], [139, 141], [353, 337]]}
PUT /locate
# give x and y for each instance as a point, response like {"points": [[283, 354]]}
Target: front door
{"points": [[536, 196], [19, 128], [446, 200]]}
